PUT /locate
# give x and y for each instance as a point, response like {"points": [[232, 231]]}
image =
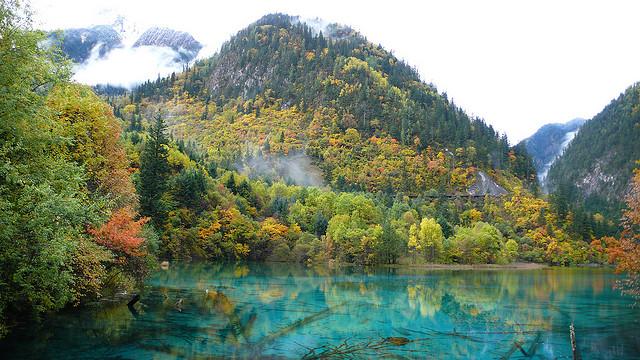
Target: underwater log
{"points": [[134, 300], [297, 324]]}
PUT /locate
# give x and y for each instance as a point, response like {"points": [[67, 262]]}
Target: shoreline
{"points": [[426, 266], [435, 266]]}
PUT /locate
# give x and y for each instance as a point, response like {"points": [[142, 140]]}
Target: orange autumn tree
{"points": [[627, 253], [122, 233]]}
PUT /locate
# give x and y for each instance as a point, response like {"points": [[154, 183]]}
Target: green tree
{"points": [[481, 243], [510, 251], [43, 208], [354, 239], [427, 239], [154, 172], [390, 246], [189, 188], [231, 184]]}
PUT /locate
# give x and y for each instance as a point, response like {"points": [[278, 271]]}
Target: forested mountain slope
{"points": [[363, 115], [596, 168], [390, 154]]}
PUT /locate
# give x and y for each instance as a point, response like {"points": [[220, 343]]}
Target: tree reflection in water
{"points": [[281, 310]]}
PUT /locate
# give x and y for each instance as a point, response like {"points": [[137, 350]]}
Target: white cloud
{"points": [[127, 66]]}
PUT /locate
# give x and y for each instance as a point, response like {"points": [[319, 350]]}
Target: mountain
{"points": [[112, 58], [295, 141], [596, 168], [78, 44], [364, 116], [181, 42], [548, 143]]}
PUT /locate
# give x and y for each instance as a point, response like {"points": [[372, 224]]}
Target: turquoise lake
{"points": [[289, 311]]}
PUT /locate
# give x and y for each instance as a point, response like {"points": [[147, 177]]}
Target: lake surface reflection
{"points": [[289, 311]]}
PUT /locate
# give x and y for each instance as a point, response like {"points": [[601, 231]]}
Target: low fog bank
{"points": [[294, 168], [127, 66]]}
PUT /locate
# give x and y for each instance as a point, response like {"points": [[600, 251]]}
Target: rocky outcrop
{"points": [[484, 185], [180, 41]]}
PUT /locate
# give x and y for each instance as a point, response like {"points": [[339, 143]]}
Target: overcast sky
{"points": [[517, 64]]}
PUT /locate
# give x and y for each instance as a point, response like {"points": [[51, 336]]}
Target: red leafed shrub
{"points": [[121, 233]]}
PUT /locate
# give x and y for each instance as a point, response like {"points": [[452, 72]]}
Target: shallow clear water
{"points": [[289, 311]]}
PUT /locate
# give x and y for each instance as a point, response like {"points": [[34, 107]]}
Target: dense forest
{"points": [[595, 170], [359, 84], [95, 190]]}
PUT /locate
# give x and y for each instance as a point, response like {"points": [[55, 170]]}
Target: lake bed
{"points": [[262, 310]]}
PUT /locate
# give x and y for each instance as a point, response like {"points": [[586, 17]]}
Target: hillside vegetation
{"points": [[94, 190], [388, 148], [595, 171]]}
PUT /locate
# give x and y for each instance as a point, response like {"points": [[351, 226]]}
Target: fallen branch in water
{"points": [[295, 325], [368, 348], [516, 345], [455, 334], [522, 350], [574, 343], [534, 344], [134, 300]]}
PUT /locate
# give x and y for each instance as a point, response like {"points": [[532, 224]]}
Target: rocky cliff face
{"points": [[181, 42], [548, 143], [485, 185]]}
